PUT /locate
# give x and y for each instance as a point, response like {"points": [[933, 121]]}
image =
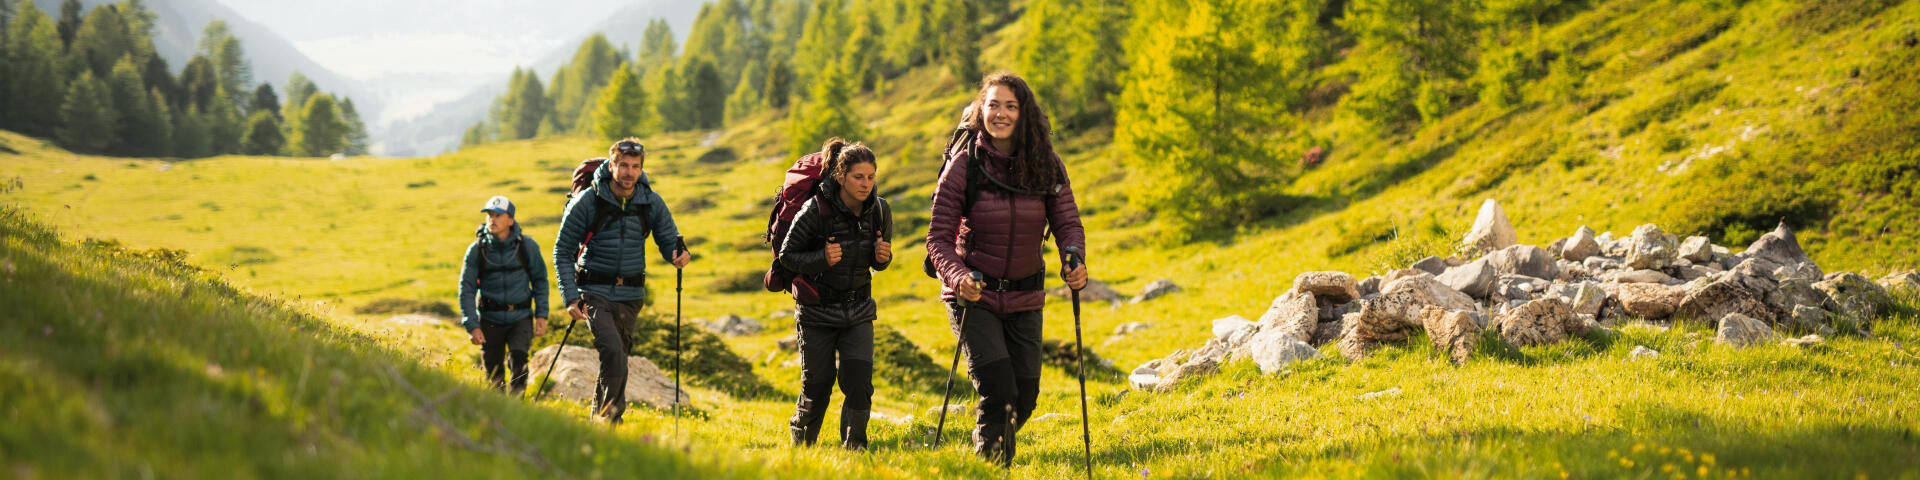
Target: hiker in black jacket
{"points": [[838, 239], [503, 268]]}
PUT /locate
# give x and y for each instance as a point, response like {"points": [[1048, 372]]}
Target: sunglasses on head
{"points": [[630, 148]]}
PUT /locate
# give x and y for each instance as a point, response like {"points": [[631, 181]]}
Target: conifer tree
{"points": [[36, 87], [263, 135], [320, 132], [1207, 90], [828, 113], [355, 130], [621, 111], [87, 120]]}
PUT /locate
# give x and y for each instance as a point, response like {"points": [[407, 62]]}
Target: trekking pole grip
{"points": [[1072, 257]]}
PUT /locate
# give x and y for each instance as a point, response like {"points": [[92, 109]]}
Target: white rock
{"points": [[1391, 392], [1641, 351], [1491, 229], [1227, 329]]}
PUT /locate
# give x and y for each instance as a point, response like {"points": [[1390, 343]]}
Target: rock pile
{"points": [[1576, 287]]}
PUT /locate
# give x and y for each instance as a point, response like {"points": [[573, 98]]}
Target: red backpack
{"points": [[802, 183]]}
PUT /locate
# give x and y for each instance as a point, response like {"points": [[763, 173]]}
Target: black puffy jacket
{"points": [[843, 289]]}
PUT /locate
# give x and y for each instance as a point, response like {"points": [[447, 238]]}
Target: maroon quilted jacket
{"points": [[1002, 235]]}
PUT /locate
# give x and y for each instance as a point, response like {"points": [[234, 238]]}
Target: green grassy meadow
{"points": [[245, 357]]}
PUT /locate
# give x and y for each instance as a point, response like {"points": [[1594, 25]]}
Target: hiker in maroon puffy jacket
{"points": [[1000, 235]]}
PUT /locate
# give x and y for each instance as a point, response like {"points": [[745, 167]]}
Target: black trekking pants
{"points": [[818, 348], [506, 343], [1003, 357]]}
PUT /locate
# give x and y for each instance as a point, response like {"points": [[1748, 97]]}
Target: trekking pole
{"points": [[678, 274], [1074, 260], [541, 392], [977, 277]]}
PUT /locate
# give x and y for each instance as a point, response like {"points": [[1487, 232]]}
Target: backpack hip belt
{"points": [[1031, 283], [860, 294], [491, 306], [589, 277]]}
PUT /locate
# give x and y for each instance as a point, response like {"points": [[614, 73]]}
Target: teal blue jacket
{"points": [[492, 269], [617, 248]]}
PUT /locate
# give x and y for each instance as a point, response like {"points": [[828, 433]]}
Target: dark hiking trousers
{"points": [[506, 343], [1003, 357], [818, 347], [613, 324]]}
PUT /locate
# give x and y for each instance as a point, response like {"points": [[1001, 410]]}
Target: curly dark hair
{"points": [[1034, 167]]}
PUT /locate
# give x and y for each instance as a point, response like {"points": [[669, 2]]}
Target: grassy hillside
{"points": [[1708, 119], [119, 362]]}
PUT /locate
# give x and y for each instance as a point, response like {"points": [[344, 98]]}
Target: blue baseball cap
{"points": [[498, 204]]}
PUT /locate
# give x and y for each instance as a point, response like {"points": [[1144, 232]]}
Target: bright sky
{"points": [[369, 39], [417, 53]]}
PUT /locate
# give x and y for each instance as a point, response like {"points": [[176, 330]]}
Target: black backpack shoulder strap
{"points": [[525, 242]]}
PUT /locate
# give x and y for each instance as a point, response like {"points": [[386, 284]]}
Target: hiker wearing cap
{"points": [[838, 238], [1006, 189], [600, 258], [503, 295]]}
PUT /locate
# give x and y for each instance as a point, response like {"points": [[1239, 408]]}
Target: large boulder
{"points": [[1491, 231], [1294, 314], [1588, 297], [1452, 332], [1729, 293], [1855, 296], [1779, 247], [1432, 264], [1650, 300], [1475, 279], [1796, 292], [1385, 319], [1580, 246], [1540, 322], [1155, 289], [1526, 260], [1808, 319], [1434, 293], [578, 372], [1273, 351], [1741, 331], [1651, 248], [1335, 287], [1696, 249]]}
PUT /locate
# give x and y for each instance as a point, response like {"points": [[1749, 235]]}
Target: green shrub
{"points": [[398, 306]]}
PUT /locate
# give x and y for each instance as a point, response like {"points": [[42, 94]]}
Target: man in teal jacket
{"points": [[601, 261], [504, 269]]}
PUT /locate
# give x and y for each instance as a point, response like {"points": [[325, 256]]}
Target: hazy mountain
{"points": [[439, 129], [271, 55]]}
